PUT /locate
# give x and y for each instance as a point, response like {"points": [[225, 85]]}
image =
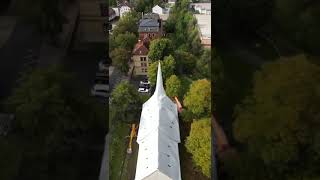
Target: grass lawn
{"points": [[118, 148]]}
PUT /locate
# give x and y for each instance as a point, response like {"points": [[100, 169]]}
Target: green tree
{"points": [[185, 62], [198, 98], [159, 48], [120, 58], [47, 106], [127, 23], [198, 143], [203, 64], [126, 102], [279, 120], [140, 5], [126, 40], [173, 86], [167, 68]]}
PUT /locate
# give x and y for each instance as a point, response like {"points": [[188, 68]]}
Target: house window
{"points": [[143, 58]]}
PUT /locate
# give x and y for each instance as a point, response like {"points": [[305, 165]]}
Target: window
{"points": [[143, 58]]}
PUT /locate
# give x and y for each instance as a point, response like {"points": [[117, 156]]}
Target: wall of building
{"points": [[138, 69], [152, 35]]}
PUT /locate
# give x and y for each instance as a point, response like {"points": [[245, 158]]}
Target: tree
{"points": [[140, 5], [126, 40], [126, 102], [279, 120], [198, 143], [203, 64], [173, 86], [198, 98], [120, 58], [185, 62], [48, 106], [159, 48], [127, 23], [167, 69]]}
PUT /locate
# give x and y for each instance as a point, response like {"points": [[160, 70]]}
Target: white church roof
{"points": [[158, 137]]}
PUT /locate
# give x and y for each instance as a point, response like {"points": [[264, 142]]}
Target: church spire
{"points": [[159, 85]]}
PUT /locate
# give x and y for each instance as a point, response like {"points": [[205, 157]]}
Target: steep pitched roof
{"points": [[140, 49], [158, 137]]}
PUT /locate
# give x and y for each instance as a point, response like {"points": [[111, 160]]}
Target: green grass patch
{"points": [[118, 147]]}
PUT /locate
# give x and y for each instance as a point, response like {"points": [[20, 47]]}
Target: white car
{"points": [[145, 82], [101, 90], [143, 90]]}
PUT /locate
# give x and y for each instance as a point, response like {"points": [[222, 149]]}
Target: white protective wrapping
{"points": [[158, 138]]}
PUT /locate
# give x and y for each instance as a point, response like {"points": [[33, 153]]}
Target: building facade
{"points": [[140, 58], [150, 26]]}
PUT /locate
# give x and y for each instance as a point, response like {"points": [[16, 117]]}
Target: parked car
{"points": [[145, 81], [101, 90], [143, 90], [104, 65], [144, 86]]}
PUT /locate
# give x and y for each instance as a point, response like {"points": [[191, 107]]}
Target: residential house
{"points": [[124, 8], [204, 27], [201, 8], [163, 12], [158, 10], [150, 25], [140, 57]]}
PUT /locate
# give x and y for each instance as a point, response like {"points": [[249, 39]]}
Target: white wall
{"points": [[157, 9]]}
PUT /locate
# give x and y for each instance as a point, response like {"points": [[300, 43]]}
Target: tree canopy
{"points": [[198, 143], [127, 23], [279, 120], [120, 58], [186, 62], [126, 40], [126, 101], [173, 86], [47, 106], [198, 98], [167, 68], [159, 48]]}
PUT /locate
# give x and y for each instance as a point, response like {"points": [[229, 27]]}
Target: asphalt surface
{"points": [[23, 38]]}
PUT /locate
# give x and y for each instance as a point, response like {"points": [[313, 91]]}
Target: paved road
{"points": [[23, 38]]}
